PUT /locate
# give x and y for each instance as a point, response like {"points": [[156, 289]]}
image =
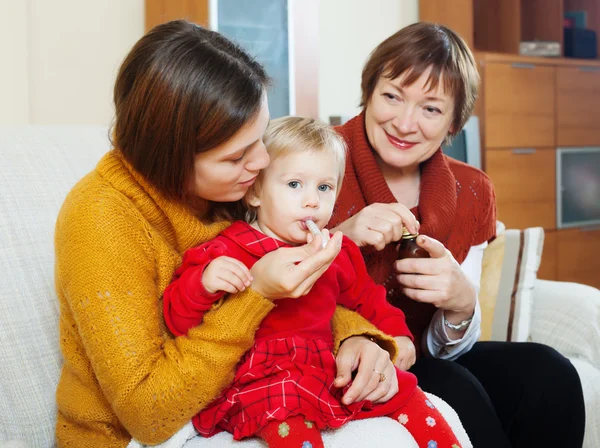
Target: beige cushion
{"points": [[491, 272], [522, 256]]}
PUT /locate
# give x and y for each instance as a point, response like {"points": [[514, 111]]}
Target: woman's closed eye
{"points": [[432, 110], [238, 159], [391, 96]]}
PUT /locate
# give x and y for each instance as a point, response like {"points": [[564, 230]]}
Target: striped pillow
{"points": [[491, 271], [522, 257]]}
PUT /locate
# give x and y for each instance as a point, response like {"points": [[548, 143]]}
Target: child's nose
{"points": [[311, 200]]}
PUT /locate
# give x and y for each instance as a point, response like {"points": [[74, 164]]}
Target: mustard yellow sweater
{"points": [[118, 242]]}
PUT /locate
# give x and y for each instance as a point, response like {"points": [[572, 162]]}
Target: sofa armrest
{"points": [[566, 316]]}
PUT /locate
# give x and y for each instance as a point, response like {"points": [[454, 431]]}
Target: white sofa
{"points": [[38, 166]]}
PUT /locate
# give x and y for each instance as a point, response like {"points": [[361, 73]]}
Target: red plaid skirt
{"points": [[284, 377]]}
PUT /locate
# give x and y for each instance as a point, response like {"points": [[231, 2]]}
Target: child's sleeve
{"points": [[185, 300], [360, 293]]}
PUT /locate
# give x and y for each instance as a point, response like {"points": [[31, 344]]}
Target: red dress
{"points": [[291, 368]]}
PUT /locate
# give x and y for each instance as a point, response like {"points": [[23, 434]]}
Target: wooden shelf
{"points": [[486, 56]]}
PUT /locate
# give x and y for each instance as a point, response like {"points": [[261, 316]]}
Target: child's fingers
{"points": [[240, 269], [222, 285], [233, 279]]}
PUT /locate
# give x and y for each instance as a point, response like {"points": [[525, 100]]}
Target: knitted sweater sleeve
{"points": [[107, 267]]}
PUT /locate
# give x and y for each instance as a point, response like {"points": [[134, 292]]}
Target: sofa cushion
{"points": [[491, 271], [38, 166], [522, 256]]}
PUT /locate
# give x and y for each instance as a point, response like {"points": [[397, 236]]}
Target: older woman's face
{"points": [[226, 172], [407, 125]]}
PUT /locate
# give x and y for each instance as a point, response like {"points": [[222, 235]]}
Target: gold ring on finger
{"points": [[381, 376]]}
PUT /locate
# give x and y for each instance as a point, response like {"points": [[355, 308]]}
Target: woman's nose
{"points": [[259, 160], [406, 121]]}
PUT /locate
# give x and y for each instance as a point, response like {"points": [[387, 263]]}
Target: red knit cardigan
{"points": [[456, 207]]}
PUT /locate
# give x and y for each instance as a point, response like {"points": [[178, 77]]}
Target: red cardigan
{"points": [[457, 206], [346, 283]]}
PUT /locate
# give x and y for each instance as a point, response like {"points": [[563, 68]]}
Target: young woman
{"points": [[191, 110]]}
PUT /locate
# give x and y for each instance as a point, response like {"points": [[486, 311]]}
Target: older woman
{"points": [[191, 110], [419, 87]]}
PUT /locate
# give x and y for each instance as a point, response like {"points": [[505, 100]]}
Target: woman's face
{"points": [[224, 173], [407, 125]]}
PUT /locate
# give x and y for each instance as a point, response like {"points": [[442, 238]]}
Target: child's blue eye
{"points": [[324, 187], [294, 184]]}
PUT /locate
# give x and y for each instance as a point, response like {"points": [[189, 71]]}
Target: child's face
{"points": [[296, 187]]}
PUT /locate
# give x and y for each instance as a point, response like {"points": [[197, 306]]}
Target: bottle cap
{"points": [[406, 235]]}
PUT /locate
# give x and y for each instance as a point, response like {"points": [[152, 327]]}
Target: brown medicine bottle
{"points": [[409, 248]]}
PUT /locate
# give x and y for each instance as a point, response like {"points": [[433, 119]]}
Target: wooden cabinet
{"points": [[525, 197], [519, 105], [527, 108], [578, 106], [500, 25], [577, 256], [457, 12], [549, 266], [160, 11]]}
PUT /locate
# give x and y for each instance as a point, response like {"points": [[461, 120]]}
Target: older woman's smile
{"points": [[399, 143]]}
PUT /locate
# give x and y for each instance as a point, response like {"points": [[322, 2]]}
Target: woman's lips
{"points": [[248, 183], [400, 144]]}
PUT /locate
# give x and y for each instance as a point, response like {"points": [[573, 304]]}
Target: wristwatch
{"points": [[458, 327]]}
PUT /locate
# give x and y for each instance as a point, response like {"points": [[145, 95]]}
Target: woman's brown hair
{"points": [[182, 90], [413, 50]]}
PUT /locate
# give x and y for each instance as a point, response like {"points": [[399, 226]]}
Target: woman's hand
{"points": [[379, 224], [407, 354], [438, 280], [292, 271], [359, 352]]}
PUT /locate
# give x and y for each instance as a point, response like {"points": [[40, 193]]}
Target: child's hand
{"points": [[226, 274], [407, 355]]}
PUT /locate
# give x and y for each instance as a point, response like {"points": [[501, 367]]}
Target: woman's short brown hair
{"points": [[413, 50], [181, 90]]}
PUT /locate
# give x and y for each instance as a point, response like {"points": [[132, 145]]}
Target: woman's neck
{"points": [[404, 183]]}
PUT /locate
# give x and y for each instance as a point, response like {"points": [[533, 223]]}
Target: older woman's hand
{"points": [[292, 271], [359, 352], [379, 224], [438, 280]]}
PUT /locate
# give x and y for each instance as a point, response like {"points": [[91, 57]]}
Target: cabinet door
{"points": [[578, 111], [519, 105], [577, 253], [524, 180]]}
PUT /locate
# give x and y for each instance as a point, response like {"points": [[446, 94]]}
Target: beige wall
{"points": [[14, 91], [348, 31], [60, 57]]}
